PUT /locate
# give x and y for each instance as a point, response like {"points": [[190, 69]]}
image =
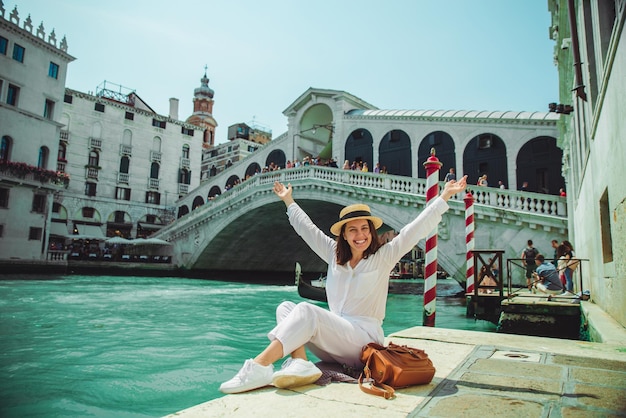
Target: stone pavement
{"points": [[478, 375]]}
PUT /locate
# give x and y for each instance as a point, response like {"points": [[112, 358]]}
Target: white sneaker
{"points": [[296, 372], [251, 376]]}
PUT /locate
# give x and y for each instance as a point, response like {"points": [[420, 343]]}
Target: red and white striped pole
{"points": [[432, 166], [469, 242]]}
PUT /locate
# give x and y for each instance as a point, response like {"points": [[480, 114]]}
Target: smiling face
{"points": [[358, 235]]}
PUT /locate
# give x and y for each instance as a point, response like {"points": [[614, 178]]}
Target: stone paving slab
{"points": [[478, 375]]}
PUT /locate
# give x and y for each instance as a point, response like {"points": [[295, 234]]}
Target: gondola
{"points": [[307, 290]]}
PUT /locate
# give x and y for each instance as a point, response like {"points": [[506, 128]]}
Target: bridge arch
{"points": [[253, 169], [232, 181], [445, 151], [182, 211], [539, 162], [277, 157], [359, 146], [214, 191], [197, 201], [395, 153], [485, 154]]}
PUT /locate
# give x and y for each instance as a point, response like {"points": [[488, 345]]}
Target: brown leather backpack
{"points": [[394, 366]]}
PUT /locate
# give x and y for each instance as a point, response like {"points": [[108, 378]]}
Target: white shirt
{"points": [[360, 294]]}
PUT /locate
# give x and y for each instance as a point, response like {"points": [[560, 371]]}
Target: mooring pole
{"points": [[432, 166], [469, 242]]}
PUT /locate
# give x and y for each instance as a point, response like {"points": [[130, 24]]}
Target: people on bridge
{"points": [[451, 175], [528, 260], [357, 282], [546, 277]]}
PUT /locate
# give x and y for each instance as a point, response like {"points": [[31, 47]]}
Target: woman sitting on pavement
{"points": [[357, 283], [546, 277]]}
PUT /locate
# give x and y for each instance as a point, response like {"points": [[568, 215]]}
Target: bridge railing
{"points": [[527, 202]]}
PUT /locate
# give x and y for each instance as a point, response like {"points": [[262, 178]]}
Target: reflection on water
{"points": [[144, 347]]}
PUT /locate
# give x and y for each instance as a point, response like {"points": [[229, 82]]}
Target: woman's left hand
{"points": [[453, 187]]}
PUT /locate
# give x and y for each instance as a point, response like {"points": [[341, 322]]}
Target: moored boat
{"points": [[314, 289]]}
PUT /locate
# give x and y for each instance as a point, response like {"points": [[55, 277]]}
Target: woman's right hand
{"points": [[284, 193]]}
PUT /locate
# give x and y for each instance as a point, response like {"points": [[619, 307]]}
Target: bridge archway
{"points": [[253, 169], [395, 153], [485, 154], [359, 147], [232, 181], [197, 201], [277, 157], [182, 211], [539, 163], [444, 147], [214, 191]]}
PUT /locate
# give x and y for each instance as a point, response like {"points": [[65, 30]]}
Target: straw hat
{"points": [[352, 213]]}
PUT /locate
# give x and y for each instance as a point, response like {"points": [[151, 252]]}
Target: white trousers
{"points": [[330, 337]]}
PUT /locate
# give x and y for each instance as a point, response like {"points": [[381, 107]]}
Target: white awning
{"points": [[59, 229], [88, 232]]}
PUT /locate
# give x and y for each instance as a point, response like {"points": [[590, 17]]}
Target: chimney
{"points": [[173, 108]]}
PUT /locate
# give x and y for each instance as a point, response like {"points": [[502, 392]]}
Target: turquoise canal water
{"points": [[110, 346]]}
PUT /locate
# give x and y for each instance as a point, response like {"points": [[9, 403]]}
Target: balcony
{"points": [[32, 174], [95, 143], [61, 166], [92, 173], [153, 184], [184, 162], [126, 150], [155, 156], [123, 177], [183, 188], [64, 136]]}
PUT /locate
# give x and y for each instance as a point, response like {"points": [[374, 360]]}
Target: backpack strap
{"points": [[377, 389]]}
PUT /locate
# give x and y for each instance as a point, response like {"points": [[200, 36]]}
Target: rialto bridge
{"points": [[246, 229]]}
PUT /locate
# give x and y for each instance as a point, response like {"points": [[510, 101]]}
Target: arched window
{"points": [[124, 164], [154, 171], [184, 176], [185, 151], [62, 152], [94, 158], [5, 148], [42, 162]]}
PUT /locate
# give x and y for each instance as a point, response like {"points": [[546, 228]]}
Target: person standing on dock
{"points": [[357, 282], [546, 277], [528, 260]]}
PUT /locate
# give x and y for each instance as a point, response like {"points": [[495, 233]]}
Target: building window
{"points": [[88, 212], [42, 162], [154, 171], [62, 153], [13, 94], [187, 131], [68, 98], [18, 53], [185, 151], [39, 203], [122, 193], [99, 107], [48, 109], [90, 189], [34, 234], [153, 198], [1, 230], [5, 149], [129, 116], [4, 43], [4, 198], [93, 159], [53, 70], [605, 228], [158, 123]]}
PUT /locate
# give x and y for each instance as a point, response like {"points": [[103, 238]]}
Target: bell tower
{"points": [[203, 111]]}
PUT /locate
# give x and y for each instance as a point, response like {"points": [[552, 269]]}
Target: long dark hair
{"points": [[344, 252]]}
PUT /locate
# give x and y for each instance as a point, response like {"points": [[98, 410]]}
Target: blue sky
{"points": [[262, 54]]}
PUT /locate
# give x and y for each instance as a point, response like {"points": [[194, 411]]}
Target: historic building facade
{"points": [[33, 68], [590, 54], [127, 164]]}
